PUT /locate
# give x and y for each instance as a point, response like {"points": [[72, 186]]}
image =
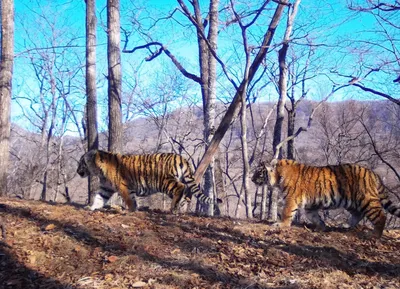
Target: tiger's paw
{"points": [[281, 225]]}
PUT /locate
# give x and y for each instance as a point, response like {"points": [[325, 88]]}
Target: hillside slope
{"points": [[62, 246]]}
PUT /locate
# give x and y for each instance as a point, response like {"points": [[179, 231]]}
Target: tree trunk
{"points": [[91, 94], [245, 157], [273, 205], [290, 131], [219, 180], [114, 76], [234, 107], [280, 110], [209, 112], [7, 58], [280, 115], [264, 197]]}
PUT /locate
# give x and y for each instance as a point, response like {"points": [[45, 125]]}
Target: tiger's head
{"points": [[264, 174], [85, 163]]}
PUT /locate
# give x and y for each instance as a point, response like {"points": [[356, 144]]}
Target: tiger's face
{"points": [[261, 174], [83, 169]]}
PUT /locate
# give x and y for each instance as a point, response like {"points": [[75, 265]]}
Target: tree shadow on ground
{"points": [[321, 256], [15, 275], [83, 235]]}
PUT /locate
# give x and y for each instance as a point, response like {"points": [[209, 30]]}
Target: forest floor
{"points": [[64, 246]]}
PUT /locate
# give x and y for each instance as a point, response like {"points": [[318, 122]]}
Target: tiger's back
{"points": [[140, 175], [350, 186]]}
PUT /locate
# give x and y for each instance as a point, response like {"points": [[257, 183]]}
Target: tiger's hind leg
{"points": [[315, 218], [375, 213], [356, 217]]}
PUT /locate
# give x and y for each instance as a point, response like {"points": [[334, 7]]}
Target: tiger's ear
{"points": [[90, 155]]}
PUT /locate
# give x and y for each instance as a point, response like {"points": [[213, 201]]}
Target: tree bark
{"points": [[210, 97], [290, 131], [245, 157], [91, 93], [280, 110], [6, 70], [114, 76], [234, 107]]}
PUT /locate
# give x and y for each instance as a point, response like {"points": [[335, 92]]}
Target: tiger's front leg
{"points": [[128, 196], [102, 197], [289, 211]]}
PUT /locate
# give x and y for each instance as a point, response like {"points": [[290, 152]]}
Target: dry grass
{"points": [[62, 246]]}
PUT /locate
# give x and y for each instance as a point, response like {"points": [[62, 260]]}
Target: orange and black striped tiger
{"points": [[355, 188], [140, 175]]}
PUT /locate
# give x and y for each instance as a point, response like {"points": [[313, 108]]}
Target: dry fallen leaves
{"points": [[50, 227]]}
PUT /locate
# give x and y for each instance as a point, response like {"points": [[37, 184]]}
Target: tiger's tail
{"points": [[193, 189], [387, 204]]}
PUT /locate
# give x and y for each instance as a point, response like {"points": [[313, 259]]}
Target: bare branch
{"points": [[395, 100], [310, 119], [159, 51]]}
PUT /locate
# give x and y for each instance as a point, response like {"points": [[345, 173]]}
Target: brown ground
{"points": [[62, 246]]}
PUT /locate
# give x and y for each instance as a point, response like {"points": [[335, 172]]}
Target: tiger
{"points": [[141, 175], [355, 188]]}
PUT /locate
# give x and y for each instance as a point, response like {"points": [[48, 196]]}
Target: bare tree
{"points": [[235, 105], [376, 67], [91, 93], [50, 102], [6, 70]]}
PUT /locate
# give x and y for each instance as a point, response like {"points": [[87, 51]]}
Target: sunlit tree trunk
{"points": [[114, 76], [209, 97], [91, 94], [280, 110], [7, 58]]}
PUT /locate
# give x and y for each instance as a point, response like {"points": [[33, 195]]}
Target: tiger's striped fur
{"points": [[140, 175], [355, 188]]}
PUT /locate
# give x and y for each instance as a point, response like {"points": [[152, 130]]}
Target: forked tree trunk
{"points": [[6, 70]]}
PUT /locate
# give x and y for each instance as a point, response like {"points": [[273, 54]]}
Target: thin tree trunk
{"points": [[209, 113], [219, 179], [280, 115], [280, 110], [91, 93], [264, 197], [245, 157], [114, 76], [273, 205], [290, 131], [7, 58]]}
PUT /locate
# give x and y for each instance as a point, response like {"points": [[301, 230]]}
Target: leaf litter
{"points": [[65, 246]]}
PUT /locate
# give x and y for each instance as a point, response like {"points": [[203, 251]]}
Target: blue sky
{"points": [[336, 22]]}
